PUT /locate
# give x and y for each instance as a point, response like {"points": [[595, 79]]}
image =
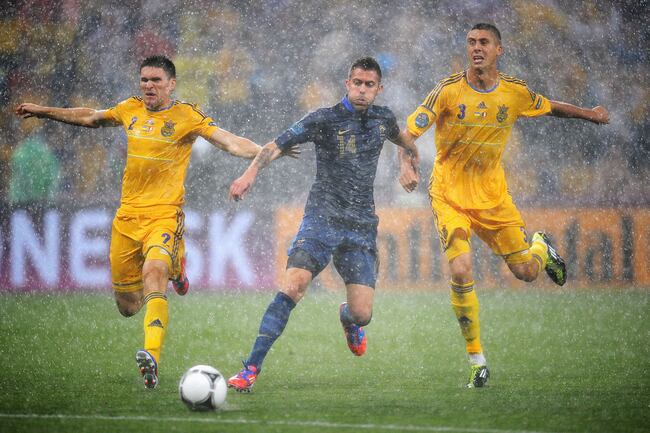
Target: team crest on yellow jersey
{"points": [[422, 120], [502, 115], [168, 129]]}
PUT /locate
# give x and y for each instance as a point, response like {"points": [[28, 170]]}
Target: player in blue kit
{"points": [[339, 221]]}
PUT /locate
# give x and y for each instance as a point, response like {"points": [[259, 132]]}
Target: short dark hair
{"points": [[367, 64], [160, 62], [489, 27]]}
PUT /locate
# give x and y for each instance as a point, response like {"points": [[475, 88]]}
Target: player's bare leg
{"points": [[543, 256], [128, 303], [296, 282], [528, 271], [356, 313], [466, 307]]}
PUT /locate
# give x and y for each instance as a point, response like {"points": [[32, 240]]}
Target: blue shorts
{"points": [[352, 247]]}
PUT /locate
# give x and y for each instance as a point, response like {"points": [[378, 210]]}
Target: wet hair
{"points": [[367, 64], [489, 27], [161, 62]]}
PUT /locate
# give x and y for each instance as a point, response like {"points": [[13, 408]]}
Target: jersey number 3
{"points": [[461, 113]]}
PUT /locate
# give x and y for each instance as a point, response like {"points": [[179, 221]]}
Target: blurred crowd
{"points": [[258, 66]]}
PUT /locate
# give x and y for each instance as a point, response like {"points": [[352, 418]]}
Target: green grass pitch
{"points": [[560, 362]]}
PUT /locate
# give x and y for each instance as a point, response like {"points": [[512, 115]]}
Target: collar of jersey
{"points": [[480, 90], [163, 109], [347, 104]]}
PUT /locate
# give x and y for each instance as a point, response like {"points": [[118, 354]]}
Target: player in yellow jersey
{"points": [[147, 235], [474, 112]]}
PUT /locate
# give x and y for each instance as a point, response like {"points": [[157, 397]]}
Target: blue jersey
{"points": [[348, 144]]}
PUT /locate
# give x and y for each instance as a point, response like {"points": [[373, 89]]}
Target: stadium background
{"points": [[258, 66]]}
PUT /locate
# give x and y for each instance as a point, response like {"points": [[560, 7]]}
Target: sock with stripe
{"points": [[539, 250], [466, 307], [156, 318]]}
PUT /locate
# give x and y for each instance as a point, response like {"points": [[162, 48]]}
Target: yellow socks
{"points": [[155, 322], [465, 304], [539, 250]]}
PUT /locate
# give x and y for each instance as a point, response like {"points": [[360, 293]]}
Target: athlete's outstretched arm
{"points": [[242, 185], [78, 116], [597, 114], [234, 144], [409, 161]]}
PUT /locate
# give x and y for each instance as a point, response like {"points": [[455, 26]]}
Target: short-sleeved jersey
{"points": [[472, 128], [348, 144], [159, 145]]}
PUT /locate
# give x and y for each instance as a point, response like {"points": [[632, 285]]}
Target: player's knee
{"points": [[461, 271], [460, 264], [527, 277], [127, 310], [296, 283], [523, 272], [523, 266], [129, 303]]}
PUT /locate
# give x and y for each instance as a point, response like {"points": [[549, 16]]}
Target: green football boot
{"points": [[555, 267], [478, 376]]}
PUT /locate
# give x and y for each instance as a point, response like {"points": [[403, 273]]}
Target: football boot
{"points": [[354, 335], [181, 284], [478, 376], [148, 368], [244, 380], [555, 267]]}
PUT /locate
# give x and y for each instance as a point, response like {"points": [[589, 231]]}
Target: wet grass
{"points": [[560, 362]]}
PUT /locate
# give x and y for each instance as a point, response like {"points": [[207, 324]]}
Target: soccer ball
{"points": [[203, 388]]}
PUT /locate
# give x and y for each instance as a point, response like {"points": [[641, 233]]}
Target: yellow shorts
{"points": [[136, 237], [501, 228]]}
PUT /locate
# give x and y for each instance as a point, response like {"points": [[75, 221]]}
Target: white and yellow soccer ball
{"points": [[202, 387]]}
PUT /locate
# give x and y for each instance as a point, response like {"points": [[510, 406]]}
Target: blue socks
{"points": [[345, 317], [273, 322], [347, 320]]}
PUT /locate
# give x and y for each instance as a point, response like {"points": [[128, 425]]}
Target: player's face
{"points": [[483, 49], [156, 87], [363, 87]]}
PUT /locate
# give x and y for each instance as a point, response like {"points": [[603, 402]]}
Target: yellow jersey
{"points": [[472, 128], [159, 145]]}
